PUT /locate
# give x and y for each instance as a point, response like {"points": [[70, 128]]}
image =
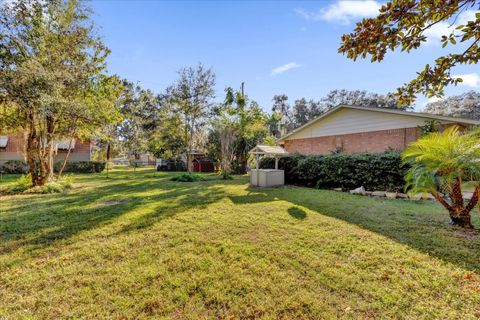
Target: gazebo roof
{"points": [[269, 150]]}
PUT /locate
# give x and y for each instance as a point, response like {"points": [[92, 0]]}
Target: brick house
{"points": [[12, 147], [353, 129]]}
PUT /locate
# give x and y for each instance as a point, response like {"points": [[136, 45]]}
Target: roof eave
{"points": [[385, 110]]}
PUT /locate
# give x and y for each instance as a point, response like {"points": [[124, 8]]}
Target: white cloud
{"points": [[284, 68], [434, 99], [343, 11], [466, 16], [429, 100], [434, 33], [469, 79], [306, 14]]}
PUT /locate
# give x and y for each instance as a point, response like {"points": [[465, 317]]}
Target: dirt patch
{"points": [[468, 234], [114, 202]]}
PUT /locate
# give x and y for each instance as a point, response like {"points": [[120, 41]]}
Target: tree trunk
{"points": [[459, 213], [30, 152], [474, 200], [108, 157], [31, 146], [46, 167], [108, 152], [38, 160], [456, 194], [463, 220], [66, 158], [242, 163], [189, 162]]}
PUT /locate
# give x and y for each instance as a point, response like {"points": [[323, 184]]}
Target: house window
{"points": [[64, 145], [3, 143]]}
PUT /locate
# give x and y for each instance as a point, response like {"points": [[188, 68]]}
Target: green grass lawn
{"points": [[139, 245]]}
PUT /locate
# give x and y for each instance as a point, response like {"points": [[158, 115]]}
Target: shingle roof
{"points": [[272, 150]]}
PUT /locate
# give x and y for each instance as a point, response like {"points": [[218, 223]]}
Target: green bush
{"points": [[374, 171], [21, 185], [24, 185], [58, 186], [14, 167], [188, 177], [21, 167], [81, 166], [289, 164]]}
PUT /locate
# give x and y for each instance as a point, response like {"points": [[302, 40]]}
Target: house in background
{"points": [[12, 147], [353, 129]]}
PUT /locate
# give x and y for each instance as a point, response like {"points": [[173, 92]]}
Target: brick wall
{"points": [[81, 152], [15, 150], [375, 141]]}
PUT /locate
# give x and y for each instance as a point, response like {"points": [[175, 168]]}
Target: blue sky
{"points": [[274, 47]]}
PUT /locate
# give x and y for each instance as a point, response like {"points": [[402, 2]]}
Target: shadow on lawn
{"points": [[38, 222], [422, 226], [297, 213], [61, 216]]}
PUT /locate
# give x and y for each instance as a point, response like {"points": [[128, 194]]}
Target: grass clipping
{"points": [[188, 177], [24, 185]]}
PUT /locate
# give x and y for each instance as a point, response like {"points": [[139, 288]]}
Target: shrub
{"points": [[81, 166], [21, 185], [58, 186], [439, 162], [374, 171], [188, 177], [172, 165], [24, 185], [21, 167], [288, 164], [14, 167]]}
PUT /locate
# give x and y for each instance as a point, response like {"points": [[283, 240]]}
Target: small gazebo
{"points": [[267, 177]]}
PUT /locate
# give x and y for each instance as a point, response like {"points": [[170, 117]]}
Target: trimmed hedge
{"points": [[81, 166], [20, 166], [374, 171], [289, 164], [14, 167]]}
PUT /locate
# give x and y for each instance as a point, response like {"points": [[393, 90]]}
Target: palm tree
{"points": [[439, 163]]}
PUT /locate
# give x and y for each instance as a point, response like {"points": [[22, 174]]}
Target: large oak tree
{"points": [[403, 25], [52, 80]]}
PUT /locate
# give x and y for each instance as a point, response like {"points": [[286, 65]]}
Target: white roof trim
{"points": [[384, 110]]}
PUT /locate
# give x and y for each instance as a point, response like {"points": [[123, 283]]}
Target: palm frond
{"points": [[440, 157]]}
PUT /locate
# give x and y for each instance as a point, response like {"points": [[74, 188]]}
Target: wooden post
{"points": [[258, 174], [276, 163]]}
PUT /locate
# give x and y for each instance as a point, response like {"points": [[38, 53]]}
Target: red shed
{"points": [[203, 165]]}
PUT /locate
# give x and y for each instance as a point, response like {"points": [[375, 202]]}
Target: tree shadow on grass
{"points": [[420, 225], [39, 221], [297, 213], [43, 220]]}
